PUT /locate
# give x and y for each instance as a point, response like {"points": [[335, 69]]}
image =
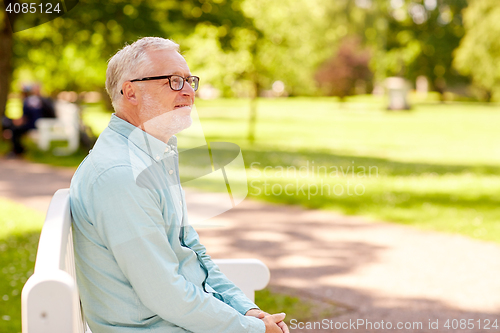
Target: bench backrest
{"points": [[50, 301], [67, 112]]}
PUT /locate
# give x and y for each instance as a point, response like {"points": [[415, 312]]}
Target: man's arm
{"points": [[130, 222], [231, 294]]}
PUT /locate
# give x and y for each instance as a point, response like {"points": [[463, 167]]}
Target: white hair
{"points": [[129, 62]]}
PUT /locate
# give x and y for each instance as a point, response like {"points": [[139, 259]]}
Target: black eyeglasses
{"points": [[176, 81]]}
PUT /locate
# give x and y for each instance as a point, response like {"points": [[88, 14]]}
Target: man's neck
{"points": [[132, 118]]}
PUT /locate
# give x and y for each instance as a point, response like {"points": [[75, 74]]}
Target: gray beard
{"points": [[161, 124]]}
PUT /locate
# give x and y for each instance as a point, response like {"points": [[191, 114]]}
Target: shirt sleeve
{"points": [[129, 220], [231, 294]]}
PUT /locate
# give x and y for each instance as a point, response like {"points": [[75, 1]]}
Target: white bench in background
{"points": [[50, 300], [65, 127]]}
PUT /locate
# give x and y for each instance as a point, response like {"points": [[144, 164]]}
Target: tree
{"points": [[71, 52], [6, 42], [408, 38], [285, 41], [340, 75], [479, 51]]}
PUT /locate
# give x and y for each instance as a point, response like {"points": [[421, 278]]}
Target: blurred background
{"points": [[405, 89]]}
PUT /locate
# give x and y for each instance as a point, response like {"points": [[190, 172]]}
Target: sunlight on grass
{"points": [[17, 219], [294, 307], [438, 166], [434, 133], [19, 233], [461, 203]]}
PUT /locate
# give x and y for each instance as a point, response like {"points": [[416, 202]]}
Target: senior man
{"points": [[140, 266]]}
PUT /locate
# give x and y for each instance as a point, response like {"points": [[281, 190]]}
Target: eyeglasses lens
{"points": [[177, 82], [193, 81]]}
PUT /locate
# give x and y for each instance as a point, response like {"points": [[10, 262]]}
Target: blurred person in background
{"points": [[34, 107]]}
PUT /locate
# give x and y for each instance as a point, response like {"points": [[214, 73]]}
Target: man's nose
{"points": [[187, 90]]}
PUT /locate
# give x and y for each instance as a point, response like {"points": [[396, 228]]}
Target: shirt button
{"points": [[180, 202], [157, 157], [166, 149], [171, 171]]}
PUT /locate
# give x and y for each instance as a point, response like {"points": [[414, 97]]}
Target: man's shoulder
{"points": [[111, 152]]}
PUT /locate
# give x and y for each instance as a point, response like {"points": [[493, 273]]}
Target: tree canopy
{"points": [[479, 51], [243, 46]]}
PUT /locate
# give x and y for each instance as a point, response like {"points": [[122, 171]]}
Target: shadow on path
{"points": [[373, 271]]}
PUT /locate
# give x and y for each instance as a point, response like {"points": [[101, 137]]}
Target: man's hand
{"points": [[262, 315], [257, 313], [275, 324]]}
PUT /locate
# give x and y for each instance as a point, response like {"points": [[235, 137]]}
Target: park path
{"points": [[371, 271]]}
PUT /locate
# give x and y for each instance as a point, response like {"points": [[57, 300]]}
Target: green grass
{"points": [[19, 233], [436, 167], [294, 307], [458, 133]]}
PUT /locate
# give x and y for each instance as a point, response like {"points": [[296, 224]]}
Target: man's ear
{"points": [[130, 92]]}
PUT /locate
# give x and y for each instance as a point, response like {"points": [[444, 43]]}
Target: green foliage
{"points": [[71, 52], [347, 71], [294, 41], [409, 38], [479, 51], [243, 46], [285, 41], [231, 44]]}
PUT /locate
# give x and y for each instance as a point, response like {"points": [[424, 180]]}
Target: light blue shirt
{"points": [[140, 266]]}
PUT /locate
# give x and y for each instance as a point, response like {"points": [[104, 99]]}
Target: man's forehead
{"points": [[168, 62]]}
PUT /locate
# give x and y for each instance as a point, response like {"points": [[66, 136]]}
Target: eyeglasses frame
{"points": [[161, 77]]}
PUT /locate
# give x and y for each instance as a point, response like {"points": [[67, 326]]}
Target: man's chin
{"points": [[187, 123], [183, 109]]}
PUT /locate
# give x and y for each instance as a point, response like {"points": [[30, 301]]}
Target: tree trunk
{"points": [[253, 116], [253, 112], [6, 42]]}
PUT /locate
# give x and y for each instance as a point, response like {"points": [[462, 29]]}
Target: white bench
{"points": [[50, 300], [66, 127]]}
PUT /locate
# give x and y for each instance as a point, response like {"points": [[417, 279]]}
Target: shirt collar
{"points": [[147, 143]]}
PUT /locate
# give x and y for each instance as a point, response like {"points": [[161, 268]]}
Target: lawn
{"points": [[19, 233], [436, 167]]}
